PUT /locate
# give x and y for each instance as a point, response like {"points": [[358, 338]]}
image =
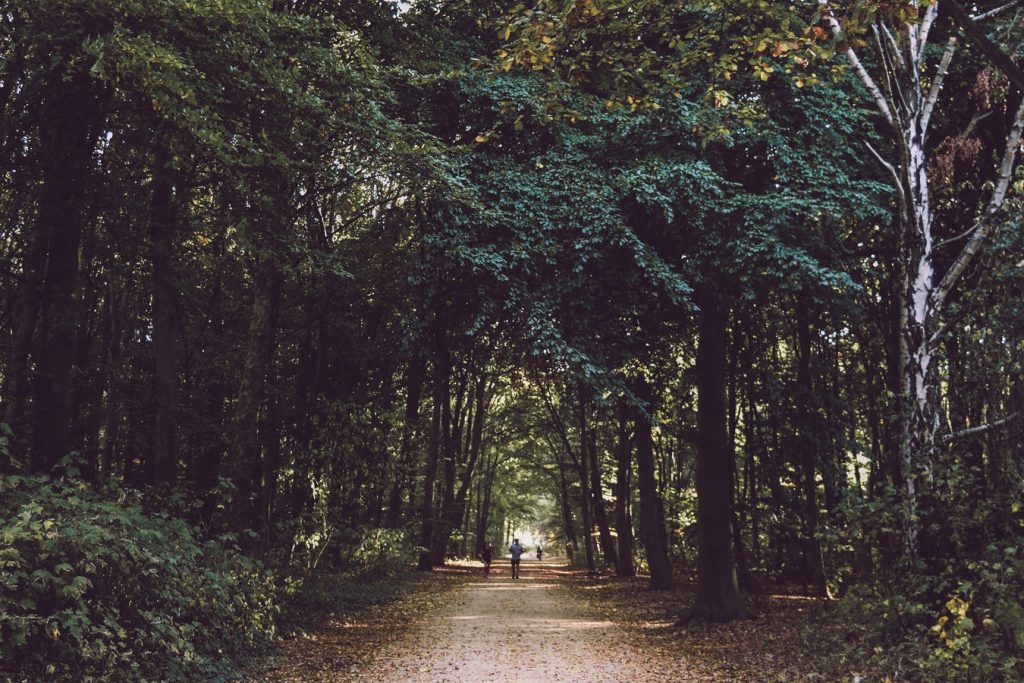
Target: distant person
{"points": [[487, 554], [540, 553], [517, 554]]}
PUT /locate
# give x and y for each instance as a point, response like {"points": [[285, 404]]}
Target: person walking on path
{"points": [[540, 553], [517, 553], [487, 554]]}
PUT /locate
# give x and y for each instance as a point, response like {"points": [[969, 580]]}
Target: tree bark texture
{"points": [[623, 495], [442, 372], [718, 597], [809, 445], [588, 450], [164, 458], [404, 466], [905, 93], [244, 450], [448, 461], [652, 534], [572, 543]]}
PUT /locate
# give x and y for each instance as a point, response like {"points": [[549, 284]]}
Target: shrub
{"points": [[93, 587], [954, 615], [382, 552], [978, 630]]}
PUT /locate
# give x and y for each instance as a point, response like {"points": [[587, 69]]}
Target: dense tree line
{"points": [[453, 268]]}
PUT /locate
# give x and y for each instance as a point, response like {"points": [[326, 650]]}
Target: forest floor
{"points": [[553, 625]]}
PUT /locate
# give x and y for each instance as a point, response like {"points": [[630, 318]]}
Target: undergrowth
{"points": [[92, 587]]}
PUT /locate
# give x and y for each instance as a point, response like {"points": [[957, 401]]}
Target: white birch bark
{"points": [[896, 88]]}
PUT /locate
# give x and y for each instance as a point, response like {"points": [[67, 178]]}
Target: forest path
{"points": [[531, 629]]}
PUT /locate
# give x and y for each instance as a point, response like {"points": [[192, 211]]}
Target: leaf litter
{"points": [[554, 625]]}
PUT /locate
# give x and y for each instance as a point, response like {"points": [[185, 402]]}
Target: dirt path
{"points": [[552, 625], [531, 629]]}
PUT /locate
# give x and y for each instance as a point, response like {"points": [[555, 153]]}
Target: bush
{"points": [[978, 629], [956, 614], [93, 587], [382, 552]]}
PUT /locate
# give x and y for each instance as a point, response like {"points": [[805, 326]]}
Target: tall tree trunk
{"points": [[403, 470], [586, 504], [442, 373], [483, 525], [475, 434], [112, 349], [244, 450], [652, 532], [809, 446], [623, 496], [206, 465], [270, 467], [718, 597], [572, 542], [442, 512], [906, 92], [67, 138], [164, 458], [446, 514], [916, 409], [87, 396], [588, 450]]}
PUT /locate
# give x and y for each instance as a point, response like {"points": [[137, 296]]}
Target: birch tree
{"points": [[905, 86]]}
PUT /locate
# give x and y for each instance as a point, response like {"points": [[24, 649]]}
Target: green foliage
{"points": [[949, 627], [423, 212], [6, 460], [958, 617], [382, 552], [632, 54], [94, 587]]}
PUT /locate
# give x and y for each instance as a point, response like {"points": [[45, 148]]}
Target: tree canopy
{"points": [[714, 290]]}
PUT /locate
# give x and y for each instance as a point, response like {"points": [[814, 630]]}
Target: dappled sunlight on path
{"points": [[530, 629]]}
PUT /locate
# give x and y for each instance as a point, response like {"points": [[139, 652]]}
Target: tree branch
{"points": [[984, 226], [994, 53], [957, 238], [926, 26], [858, 67], [940, 76], [996, 11], [888, 166], [890, 71], [980, 429], [559, 425], [891, 41]]}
